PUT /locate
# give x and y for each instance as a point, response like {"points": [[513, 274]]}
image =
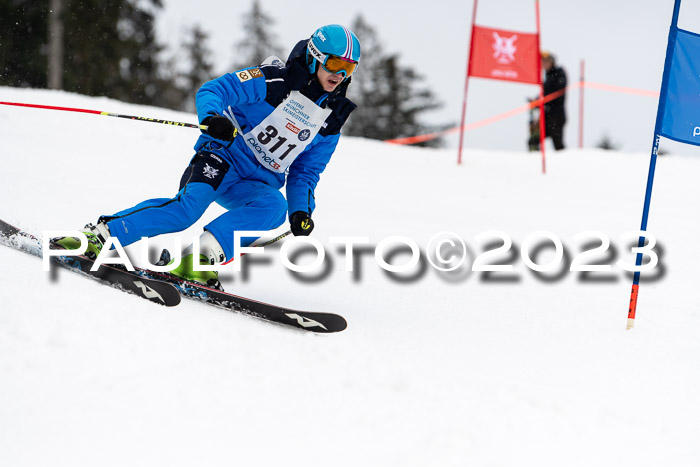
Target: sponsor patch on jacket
{"points": [[245, 75]]}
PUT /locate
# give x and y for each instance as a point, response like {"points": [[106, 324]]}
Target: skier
{"points": [[266, 126]]}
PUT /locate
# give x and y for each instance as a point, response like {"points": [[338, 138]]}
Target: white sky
{"points": [[623, 43]]}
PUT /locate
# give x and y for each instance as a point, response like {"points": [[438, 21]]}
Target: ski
{"points": [[151, 289], [167, 289], [305, 320]]}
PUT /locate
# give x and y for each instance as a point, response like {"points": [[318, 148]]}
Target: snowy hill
{"points": [[435, 368]]}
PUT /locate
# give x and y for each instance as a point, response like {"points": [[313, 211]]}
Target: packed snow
{"points": [[435, 369]]}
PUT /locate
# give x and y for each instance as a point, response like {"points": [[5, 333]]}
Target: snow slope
{"points": [[439, 369]]}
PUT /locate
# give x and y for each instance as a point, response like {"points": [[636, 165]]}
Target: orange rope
{"points": [[622, 89], [521, 109]]}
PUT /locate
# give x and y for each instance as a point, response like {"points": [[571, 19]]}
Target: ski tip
{"points": [[630, 323], [317, 322], [339, 324]]}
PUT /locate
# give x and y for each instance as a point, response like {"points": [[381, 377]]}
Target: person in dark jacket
{"points": [[554, 112]]}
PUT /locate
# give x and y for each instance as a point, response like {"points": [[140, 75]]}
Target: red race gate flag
{"points": [[505, 55]]}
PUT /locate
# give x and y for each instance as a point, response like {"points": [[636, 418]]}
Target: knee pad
{"points": [[205, 167]]}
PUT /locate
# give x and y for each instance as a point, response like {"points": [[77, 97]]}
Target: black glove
{"points": [[220, 127], [301, 223]]}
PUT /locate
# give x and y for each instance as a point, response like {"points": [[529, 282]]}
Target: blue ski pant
{"points": [[251, 205]]}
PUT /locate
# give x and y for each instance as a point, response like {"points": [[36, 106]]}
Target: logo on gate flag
{"points": [[504, 48], [506, 55], [681, 101]]}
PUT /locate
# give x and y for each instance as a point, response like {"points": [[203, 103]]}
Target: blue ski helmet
{"points": [[336, 48]]}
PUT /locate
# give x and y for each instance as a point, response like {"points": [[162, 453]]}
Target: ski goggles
{"points": [[339, 65], [332, 63]]}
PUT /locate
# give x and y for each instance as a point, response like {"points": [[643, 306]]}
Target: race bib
{"points": [[286, 132]]}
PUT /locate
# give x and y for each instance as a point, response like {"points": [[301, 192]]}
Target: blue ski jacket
{"points": [[254, 95]]}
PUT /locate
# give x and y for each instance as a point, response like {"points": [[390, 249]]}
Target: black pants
{"points": [[554, 128]]}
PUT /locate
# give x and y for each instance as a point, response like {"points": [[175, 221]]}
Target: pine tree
{"points": [[366, 91], [23, 42], [109, 48], [142, 81], [200, 67], [259, 41], [390, 101], [92, 47]]}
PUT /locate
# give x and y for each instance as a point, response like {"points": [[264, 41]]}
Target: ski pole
{"points": [[276, 239], [109, 114], [265, 243]]}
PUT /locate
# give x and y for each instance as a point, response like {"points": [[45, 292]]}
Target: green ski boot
{"points": [[186, 271], [96, 236]]}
